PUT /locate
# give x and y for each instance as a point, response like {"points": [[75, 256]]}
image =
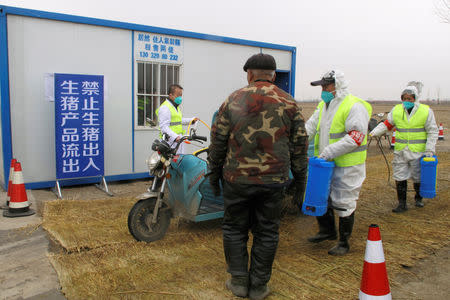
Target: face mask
{"points": [[408, 105], [327, 96], [178, 100]]}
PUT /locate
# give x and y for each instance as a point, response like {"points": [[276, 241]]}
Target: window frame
{"points": [[158, 94]]}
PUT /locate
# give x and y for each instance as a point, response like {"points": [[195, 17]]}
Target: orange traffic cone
{"points": [[441, 132], [11, 174], [19, 206], [374, 282], [393, 139]]}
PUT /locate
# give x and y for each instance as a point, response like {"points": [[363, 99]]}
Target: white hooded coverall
{"points": [[406, 164], [346, 182]]}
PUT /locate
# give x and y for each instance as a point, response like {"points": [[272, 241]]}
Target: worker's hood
{"points": [[341, 84], [414, 88]]}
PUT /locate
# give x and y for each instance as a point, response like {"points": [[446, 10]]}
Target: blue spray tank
{"points": [[428, 174], [320, 172]]}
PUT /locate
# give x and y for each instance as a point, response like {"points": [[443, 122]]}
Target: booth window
{"points": [[153, 81]]}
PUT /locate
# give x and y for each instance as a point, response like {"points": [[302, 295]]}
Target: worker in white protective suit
{"points": [[338, 128], [170, 118], [416, 136]]}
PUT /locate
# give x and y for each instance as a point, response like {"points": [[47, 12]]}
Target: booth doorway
{"points": [[282, 80]]}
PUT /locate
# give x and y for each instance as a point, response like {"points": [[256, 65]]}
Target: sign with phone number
{"points": [[158, 48]]}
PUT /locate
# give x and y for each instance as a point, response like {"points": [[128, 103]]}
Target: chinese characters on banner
{"points": [[79, 125], [158, 48]]}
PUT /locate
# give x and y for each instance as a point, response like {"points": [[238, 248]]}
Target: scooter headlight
{"points": [[153, 160]]}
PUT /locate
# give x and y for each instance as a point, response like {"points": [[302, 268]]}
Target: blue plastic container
{"points": [[428, 174], [317, 186]]}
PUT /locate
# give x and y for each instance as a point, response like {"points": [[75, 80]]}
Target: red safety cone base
{"points": [[9, 213]]}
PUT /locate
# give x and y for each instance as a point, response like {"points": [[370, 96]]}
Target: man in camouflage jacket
{"points": [[257, 136]]}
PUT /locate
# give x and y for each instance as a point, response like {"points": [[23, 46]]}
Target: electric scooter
{"points": [[189, 192]]}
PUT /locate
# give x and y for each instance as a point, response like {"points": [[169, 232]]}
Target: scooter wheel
{"points": [[140, 224]]}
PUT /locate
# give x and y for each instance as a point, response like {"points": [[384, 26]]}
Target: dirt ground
{"points": [[428, 279]]}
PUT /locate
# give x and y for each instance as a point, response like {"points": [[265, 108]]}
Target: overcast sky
{"points": [[379, 44]]}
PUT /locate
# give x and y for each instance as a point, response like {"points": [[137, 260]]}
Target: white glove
{"points": [[428, 153], [379, 130], [324, 156]]}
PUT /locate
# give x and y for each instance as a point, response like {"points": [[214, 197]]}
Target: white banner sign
{"points": [[158, 48]]}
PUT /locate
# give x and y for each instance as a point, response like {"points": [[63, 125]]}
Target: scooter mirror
{"points": [[155, 145]]}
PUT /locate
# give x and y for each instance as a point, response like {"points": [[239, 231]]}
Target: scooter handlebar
{"points": [[198, 137]]}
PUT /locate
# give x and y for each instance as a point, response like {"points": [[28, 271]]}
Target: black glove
{"points": [[299, 194], [290, 190], [214, 181]]}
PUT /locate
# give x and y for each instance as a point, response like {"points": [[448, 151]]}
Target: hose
{"points": [[189, 126], [387, 164], [380, 145], [196, 153], [203, 149]]}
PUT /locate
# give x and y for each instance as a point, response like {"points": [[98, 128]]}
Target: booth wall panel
{"points": [[39, 46]]}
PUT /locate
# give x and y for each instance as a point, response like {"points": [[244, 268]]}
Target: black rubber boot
{"points": [[345, 231], [327, 228], [417, 197], [238, 285], [401, 195], [259, 292]]}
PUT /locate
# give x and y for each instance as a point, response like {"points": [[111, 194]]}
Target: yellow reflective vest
{"points": [[175, 118], [410, 132], [337, 132]]}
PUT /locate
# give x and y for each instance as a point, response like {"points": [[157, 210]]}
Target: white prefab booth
{"points": [[138, 64]]}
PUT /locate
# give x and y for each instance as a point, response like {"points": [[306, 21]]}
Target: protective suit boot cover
{"points": [[417, 197], [345, 231], [401, 195], [327, 228], [238, 285]]}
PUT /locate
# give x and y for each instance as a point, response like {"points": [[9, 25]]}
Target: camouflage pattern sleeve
{"points": [[220, 132], [298, 149]]}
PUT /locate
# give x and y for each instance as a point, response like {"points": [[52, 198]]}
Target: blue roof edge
{"points": [[131, 26]]}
